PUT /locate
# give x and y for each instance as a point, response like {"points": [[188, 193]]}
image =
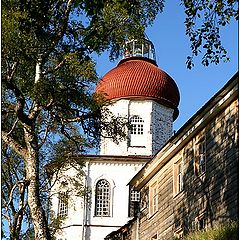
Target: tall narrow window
{"points": [[153, 198], [178, 176], [63, 205], [136, 125], [102, 198], [200, 222], [136, 132], [189, 155], [200, 161], [135, 196], [134, 203]]}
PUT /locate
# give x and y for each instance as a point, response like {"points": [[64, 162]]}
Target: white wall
{"points": [[118, 174], [74, 181], [157, 130], [158, 121]]}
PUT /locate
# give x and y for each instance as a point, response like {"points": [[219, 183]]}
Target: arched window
{"points": [[63, 204], [102, 198], [136, 125]]}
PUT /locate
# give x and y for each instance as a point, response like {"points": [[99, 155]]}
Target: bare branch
{"points": [[7, 203], [13, 144], [35, 111], [61, 30], [10, 197], [44, 137], [38, 72], [13, 127], [22, 204], [13, 70], [15, 174], [5, 216], [20, 101], [57, 67], [50, 103], [78, 119]]}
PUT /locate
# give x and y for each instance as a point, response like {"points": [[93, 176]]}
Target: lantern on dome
{"points": [[136, 48]]}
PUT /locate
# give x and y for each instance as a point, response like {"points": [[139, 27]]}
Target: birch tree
{"points": [[14, 191], [48, 76]]}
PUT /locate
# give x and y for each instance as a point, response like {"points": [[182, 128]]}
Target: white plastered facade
{"points": [[118, 174], [157, 128], [81, 221]]}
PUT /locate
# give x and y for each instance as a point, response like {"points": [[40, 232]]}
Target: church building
{"points": [[135, 189]]}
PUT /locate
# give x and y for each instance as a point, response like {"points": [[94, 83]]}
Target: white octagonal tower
{"points": [[144, 94]]}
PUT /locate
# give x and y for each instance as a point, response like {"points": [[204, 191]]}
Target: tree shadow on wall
{"points": [[212, 197]]}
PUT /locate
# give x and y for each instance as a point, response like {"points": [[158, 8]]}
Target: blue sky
{"points": [[172, 47]]}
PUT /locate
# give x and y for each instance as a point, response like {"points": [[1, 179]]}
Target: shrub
{"points": [[226, 231]]}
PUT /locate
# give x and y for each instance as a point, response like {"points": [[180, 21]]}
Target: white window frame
{"points": [[153, 199], [200, 157], [63, 204], [134, 196], [201, 218], [136, 131], [178, 173], [178, 234], [137, 125], [103, 199], [180, 176]]}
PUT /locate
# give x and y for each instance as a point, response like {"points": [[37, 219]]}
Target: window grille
{"points": [[134, 203], [136, 125], [63, 205], [135, 196], [103, 194]]}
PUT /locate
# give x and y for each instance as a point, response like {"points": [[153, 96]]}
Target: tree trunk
{"points": [[39, 220]]}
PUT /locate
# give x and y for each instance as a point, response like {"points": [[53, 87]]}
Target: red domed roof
{"points": [[139, 77]]}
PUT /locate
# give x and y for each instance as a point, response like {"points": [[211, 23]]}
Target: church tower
{"points": [[144, 94], [148, 97]]}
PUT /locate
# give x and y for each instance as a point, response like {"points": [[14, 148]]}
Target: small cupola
{"points": [[139, 48]]}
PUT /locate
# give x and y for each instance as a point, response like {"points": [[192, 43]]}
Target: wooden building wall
{"points": [[206, 198]]}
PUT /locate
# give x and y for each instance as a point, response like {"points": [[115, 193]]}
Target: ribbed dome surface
{"points": [[140, 78]]}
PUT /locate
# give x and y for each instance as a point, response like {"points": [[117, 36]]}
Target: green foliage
{"points": [[59, 43], [203, 22], [48, 73], [227, 231], [48, 80], [14, 190]]}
